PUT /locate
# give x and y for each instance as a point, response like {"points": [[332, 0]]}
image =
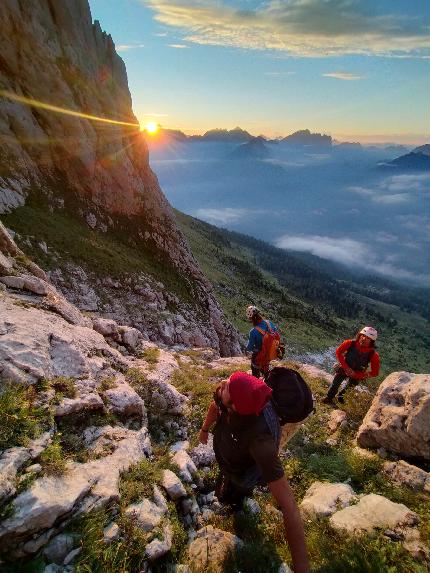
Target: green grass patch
{"points": [[118, 253], [20, 420], [137, 482], [150, 355]]}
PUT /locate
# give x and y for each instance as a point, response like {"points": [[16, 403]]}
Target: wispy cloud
{"points": [[178, 46], [299, 27], [392, 199], [343, 76], [127, 47], [279, 74], [222, 216]]}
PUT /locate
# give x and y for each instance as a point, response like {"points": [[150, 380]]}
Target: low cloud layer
{"points": [[396, 189], [342, 250], [299, 27], [350, 252]]}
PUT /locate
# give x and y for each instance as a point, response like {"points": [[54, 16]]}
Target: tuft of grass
{"points": [[107, 384], [150, 355], [53, 460], [126, 555], [20, 419], [64, 386], [138, 481]]}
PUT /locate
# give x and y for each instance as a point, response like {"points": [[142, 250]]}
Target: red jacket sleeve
{"points": [[374, 365], [341, 351]]}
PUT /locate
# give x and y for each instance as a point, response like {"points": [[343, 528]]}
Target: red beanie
{"points": [[248, 394]]}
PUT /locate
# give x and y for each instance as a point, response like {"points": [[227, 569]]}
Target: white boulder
{"points": [[399, 417], [373, 512], [323, 499]]}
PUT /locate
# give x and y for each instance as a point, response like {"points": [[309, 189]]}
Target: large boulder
{"points": [[399, 417], [211, 548]]}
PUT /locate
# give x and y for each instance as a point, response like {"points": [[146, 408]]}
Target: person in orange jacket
{"points": [[354, 356]]}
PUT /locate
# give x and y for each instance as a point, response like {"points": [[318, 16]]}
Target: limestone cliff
{"points": [[57, 168]]}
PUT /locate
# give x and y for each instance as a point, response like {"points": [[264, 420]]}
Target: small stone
{"points": [[283, 568], [111, 533], [72, 555], [173, 485], [59, 547], [252, 506], [35, 469], [157, 548]]}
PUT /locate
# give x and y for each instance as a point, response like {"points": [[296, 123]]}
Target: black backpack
{"points": [[292, 398]]}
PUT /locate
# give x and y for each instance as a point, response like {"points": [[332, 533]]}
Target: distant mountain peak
{"points": [[305, 137], [417, 160], [235, 135]]}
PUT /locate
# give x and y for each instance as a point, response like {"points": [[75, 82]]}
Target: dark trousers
{"points": [[256, 369], [337, 381]]}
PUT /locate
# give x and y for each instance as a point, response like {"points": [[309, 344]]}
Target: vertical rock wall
{"points": [[51, 52]]}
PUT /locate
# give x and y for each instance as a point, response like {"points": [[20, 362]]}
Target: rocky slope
{"points": [[94, 174], [100, 471]]}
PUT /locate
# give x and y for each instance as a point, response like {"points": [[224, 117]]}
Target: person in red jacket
{"points": [[354, 358]]}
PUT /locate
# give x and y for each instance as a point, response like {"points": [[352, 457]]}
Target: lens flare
{"points": [[43, 105], [151, 127]]}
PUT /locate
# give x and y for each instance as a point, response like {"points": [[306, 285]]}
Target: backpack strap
{"points": [[269, 328], [260, 330]]}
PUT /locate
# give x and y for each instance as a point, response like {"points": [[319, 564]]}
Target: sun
{"points": [[151, 127]]}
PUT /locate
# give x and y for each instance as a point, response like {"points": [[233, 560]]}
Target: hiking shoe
{"points": [[327, 400]]}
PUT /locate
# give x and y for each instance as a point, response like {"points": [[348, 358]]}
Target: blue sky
{"points": [[356, 69]]}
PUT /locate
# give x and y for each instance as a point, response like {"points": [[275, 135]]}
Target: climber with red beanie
{"points": [[246, 443]]}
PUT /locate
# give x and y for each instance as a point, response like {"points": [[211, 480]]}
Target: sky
{"points": [[358, 70]]}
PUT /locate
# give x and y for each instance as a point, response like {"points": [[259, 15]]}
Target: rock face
{"points": [[94, 174], [399, 417]]}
